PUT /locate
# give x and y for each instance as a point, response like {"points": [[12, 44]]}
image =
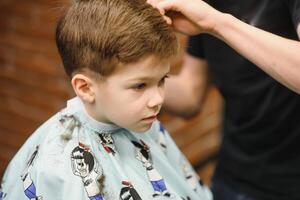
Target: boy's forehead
{"points": [[147, 68]]}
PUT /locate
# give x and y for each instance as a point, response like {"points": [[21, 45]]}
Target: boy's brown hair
{"points": [[101, 34]]}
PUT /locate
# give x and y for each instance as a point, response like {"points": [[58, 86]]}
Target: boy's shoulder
{"points": [[47, 140], [55, 126], [50, 126], [40, 153]]}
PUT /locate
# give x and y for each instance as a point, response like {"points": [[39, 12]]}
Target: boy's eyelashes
{"points": [[162, 81], [139, 86], [143, 85]]}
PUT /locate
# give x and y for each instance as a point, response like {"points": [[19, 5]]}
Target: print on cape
{"points": [[2, 194], [162, 138], [107, 143], [156, 180], [128, 192], [85, 166], [28, 185]]}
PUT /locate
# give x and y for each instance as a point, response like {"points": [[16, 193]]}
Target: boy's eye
{"points": [[162, 81], [140, 86]]}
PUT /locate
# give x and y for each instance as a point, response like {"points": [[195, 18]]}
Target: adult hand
{"points": [[188, 16]]}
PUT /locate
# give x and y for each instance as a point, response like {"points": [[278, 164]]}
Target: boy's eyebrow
{"points": [[146, 78]]}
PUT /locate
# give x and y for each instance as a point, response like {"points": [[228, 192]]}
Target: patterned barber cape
{"points": [[74, 157]]}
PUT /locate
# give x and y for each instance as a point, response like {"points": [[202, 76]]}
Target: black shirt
{"points": [[260, 151]]}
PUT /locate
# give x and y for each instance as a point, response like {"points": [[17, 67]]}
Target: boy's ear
{"points": [[82, 86]]}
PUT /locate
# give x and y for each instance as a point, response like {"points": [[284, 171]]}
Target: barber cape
{"points": [[74, 157]]}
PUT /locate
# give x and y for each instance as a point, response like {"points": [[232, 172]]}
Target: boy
{"points": [[107, 143]]}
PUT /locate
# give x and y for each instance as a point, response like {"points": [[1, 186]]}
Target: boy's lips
{"points": [[153, 117]]}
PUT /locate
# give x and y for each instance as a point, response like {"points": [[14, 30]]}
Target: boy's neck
{"points": [[90, 111]]}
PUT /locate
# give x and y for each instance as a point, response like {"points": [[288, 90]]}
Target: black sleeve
{"points": [[195, 46], [294, 8]]}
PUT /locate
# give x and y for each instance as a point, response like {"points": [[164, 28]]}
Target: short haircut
{"points": [[101, 34]]}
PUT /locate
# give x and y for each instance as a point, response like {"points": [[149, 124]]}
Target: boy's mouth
{"points": [[153, 117]]}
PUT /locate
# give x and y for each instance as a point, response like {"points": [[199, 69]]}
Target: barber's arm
{"points": [[185, 92], [277, 56]]}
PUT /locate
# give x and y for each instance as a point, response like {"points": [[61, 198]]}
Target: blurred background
{"points": [[33, 86]]}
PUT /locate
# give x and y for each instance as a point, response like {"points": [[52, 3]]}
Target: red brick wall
{"points": [[32, 82], [33, 85]]}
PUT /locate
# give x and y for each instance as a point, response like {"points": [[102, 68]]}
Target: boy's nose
{"points": [[156, 98]]}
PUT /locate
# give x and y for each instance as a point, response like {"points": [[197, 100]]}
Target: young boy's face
{"points": [[132, 96]]}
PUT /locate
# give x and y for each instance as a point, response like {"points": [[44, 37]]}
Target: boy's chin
{"points": [[141, 129]]}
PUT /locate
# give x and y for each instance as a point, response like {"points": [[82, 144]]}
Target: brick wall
{"points": [[33, 85]]}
